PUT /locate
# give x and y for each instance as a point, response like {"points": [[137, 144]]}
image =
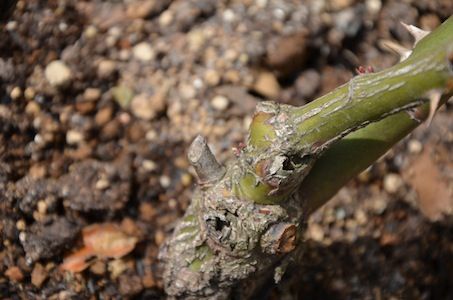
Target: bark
{"points": [[246, 220]]}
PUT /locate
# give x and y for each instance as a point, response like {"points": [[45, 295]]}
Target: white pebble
{"points": [[220, 103], [143, 52], [58, 73]]}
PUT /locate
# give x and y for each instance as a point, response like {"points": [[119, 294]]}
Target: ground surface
{"points": [[100, 136]]}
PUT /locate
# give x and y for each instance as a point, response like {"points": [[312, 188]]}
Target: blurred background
{"points": [[99, 101]]}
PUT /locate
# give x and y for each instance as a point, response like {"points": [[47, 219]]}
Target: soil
{"points": [[99, 101]]}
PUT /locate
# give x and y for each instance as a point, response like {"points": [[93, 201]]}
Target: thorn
{"points": [[364, 70], [203, 160], [403, 52], [416, 32], [434, 100]]}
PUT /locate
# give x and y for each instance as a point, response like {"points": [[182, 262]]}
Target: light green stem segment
{"points": [[354, 153], [365, 99]]}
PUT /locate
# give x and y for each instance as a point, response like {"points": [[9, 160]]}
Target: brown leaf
{"points": [[100, 241], [78, 261], [107, 240]]}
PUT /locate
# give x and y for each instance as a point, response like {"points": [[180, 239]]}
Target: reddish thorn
{"points": [[364, 70]]}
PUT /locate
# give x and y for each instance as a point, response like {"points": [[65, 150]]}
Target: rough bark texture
{"points": [[248, 222]]}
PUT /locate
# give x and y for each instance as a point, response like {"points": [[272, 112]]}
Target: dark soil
{"points": [[101, 136]]}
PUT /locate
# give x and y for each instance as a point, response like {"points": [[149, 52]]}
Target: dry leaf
{"points": [[107, 240], [100, 241], [78, 261]]}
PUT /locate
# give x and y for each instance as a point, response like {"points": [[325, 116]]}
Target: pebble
{"points": [[164, 181], [106, 68], [187, 91], [116, 267], [147, 107], [74, 137], [149, 165], [212, 77], [16, 93], [92, 94], [378, 205], [103, 116], [42, 207], [415, 146], [220, 103], [38, 275], [102, 184], [98, 268], [21, 225], [316, 232], [14, 274], [267, 85], [143, 52], [166, 18], [122, 95], [90, 32], [29, 93], [58, 73], [186, 179], [393, 183], [159, 237]]}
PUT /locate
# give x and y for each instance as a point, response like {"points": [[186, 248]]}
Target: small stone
{"points": [[429, 22], [340, 214], [143, 52], [316, 232], [187, 91], [102, 184], [106, 68], [32, 108], [229, 16], [21, 225], [98, 268], [38, 275], [42, 207], [378, 205], [16, 93], [361, 217], [85, 107], [415, 146], [122, 95], [92, 94], [186, 179], [393, 183], [212, 77], [116, 267], [147, 107], [103, 116], [373, 6], [90, 32], [159, 237], [147, 211], [29, 93], [220, 103], [58, 73], [74, 137], [164, 181], [149, 165], [166, 18], [267, 85], [14, 274]]}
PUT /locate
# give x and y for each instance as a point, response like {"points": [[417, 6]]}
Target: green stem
{"points": [[285, 141], [248, 218]]}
